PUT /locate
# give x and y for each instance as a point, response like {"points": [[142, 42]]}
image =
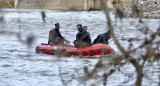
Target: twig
{"points": [[60, 75], [9, 4]]}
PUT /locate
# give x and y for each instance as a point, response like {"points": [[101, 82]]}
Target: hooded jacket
{"points": [[83, 36]]}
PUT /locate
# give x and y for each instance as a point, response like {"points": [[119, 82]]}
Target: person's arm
{"points": [[60, 35], [63, 38], [78, 36], [66, 40]]}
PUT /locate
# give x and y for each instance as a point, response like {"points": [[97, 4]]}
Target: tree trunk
{"points": [[15, 3], [139, 76]]}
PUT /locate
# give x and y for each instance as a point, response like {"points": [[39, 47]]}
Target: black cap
{"points": [[79, 25], [57, 24]]}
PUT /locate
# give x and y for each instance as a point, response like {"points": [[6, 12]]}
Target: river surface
{"points": [[21, 66]]}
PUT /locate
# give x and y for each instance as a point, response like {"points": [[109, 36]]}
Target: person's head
{"points": [[85, 28], [79, 26], [57, 26]]}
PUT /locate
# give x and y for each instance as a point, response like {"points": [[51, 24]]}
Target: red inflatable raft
{"points": [[68, 50]]}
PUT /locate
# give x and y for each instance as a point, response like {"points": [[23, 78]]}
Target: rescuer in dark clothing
{"points": [[55, 36], [83, 39], [102, 38], [86, 28]]}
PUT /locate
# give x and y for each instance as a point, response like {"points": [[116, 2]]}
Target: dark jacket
{"points": [[55, 36], [102, 38], [83, 37]]}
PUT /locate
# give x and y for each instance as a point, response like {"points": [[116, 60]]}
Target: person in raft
{"points": [[83, 39], [55, 36], [86, 28], [102, 38]]}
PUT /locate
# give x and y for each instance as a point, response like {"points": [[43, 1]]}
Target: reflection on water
{"points": [[21, 66]]}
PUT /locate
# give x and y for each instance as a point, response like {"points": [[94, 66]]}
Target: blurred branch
{"points": [[9, 4], [60, 75], [43, 16], [106, 10], [29, 41], [138, 67], [133, 61], [3, 32]]}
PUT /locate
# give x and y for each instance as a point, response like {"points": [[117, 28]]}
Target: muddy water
{"points": [[21, 66]]}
